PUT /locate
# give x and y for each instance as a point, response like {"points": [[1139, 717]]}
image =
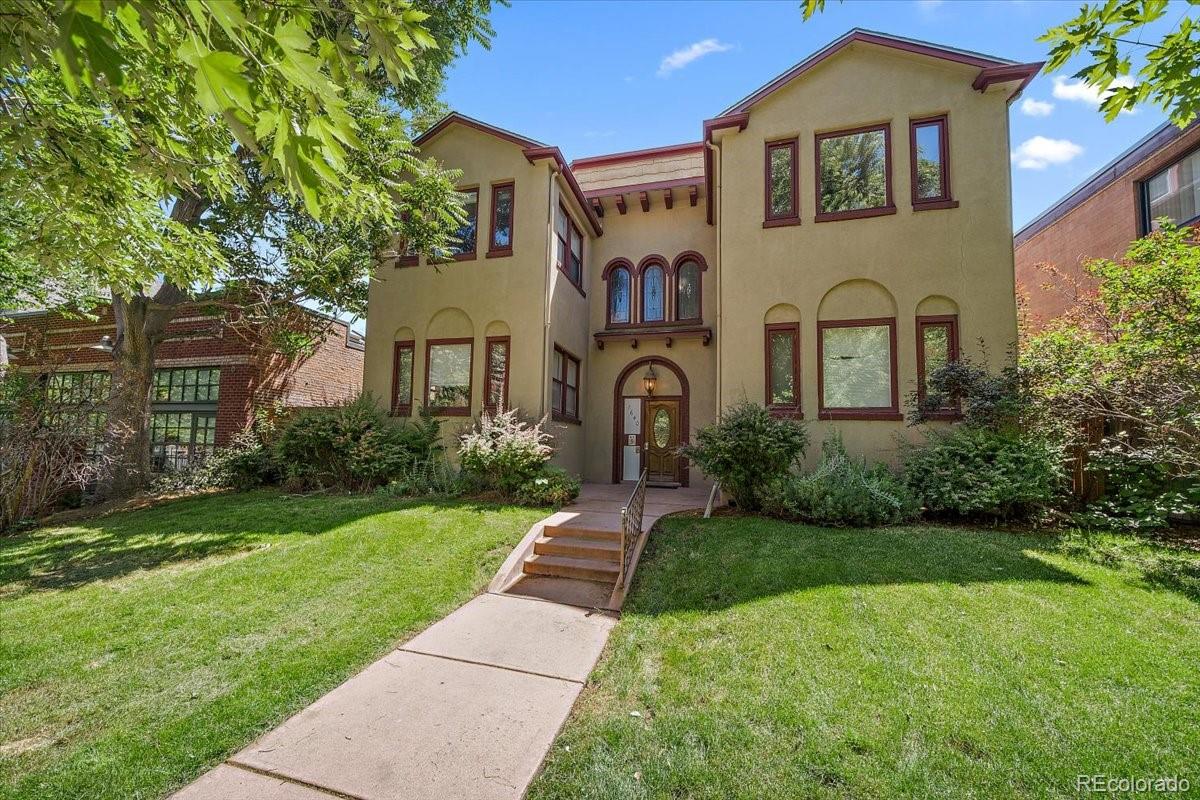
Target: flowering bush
{"points": [[551, 487], [504, 452]]}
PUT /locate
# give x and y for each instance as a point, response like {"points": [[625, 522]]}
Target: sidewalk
{"points": [[466, 710]]}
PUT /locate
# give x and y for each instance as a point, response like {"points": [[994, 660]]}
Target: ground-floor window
{"points": [[181, 438], [495, 397], [783, 367], [448, 376], [937, 345], [564, 385], [183, 425], [77, 401], [856, 364]]}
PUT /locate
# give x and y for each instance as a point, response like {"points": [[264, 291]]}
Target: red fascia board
{"points": [[455, 118], [637, 155], [1006, 73], [534, 154]]}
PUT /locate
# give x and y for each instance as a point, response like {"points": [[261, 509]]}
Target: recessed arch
{"points": [[856, 299], [781, 312], [685, 394], [450, 323], [936, 305], [497, 327], [404, 334]]}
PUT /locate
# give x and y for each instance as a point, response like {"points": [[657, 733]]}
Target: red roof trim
{"points": [[454, 117], [739, 121], [865, 37], [1006, 73], [538, 153], [637, 155]]}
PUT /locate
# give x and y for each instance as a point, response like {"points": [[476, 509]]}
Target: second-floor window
{"points": [[654, 294], [568, 253], [781, 174], [929, 152], [854, 173], [501, 243], [1173, 193], [620, 287], [687, 290], [464, 248]]}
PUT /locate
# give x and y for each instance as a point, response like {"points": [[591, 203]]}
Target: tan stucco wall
{"points": [[963, 254], [633, 236], [468, 296]]}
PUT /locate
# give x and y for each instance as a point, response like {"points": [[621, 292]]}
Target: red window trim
{"points": [[680, 260], [945, 199], [889, 206], [491, 342], [471, 255], [561, 381], [402, 409], [771, 220], [572, 228], [792, 410], [451, 411], [645, 264], [890, 413], [609, 269], [500, 252], [931, 321]]}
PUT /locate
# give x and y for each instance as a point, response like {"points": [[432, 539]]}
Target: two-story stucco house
{"points": [[834, 234]]}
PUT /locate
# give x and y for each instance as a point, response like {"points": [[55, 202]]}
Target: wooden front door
{"points": [[661, 426]]}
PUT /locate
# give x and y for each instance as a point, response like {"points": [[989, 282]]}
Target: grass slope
{"points": [[767, 660], [139, 649]]}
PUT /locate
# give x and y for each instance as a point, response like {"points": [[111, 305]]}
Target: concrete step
{"points": [[575, 531], [587, 569], [578, 547]]}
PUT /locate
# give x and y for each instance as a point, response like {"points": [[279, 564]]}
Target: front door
{"points": [[662, 441]]}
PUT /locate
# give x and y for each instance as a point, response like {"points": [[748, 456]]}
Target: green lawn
{"points": [[136, 650], [766, 660]]}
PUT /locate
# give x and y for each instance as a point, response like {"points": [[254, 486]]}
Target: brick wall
{"points": [[201, 337], [1102, 226]]}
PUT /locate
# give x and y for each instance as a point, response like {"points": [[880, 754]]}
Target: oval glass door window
{"points": [[662, 428]]}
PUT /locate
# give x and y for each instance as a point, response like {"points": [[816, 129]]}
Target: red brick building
{"points": [[1158, 176], [211, 373]]}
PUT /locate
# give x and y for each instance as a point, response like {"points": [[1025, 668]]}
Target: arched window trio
{"points": [[656, 291]]}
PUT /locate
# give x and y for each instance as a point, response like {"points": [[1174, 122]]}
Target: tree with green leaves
{"points": [[1107, 34], [135, 135]]}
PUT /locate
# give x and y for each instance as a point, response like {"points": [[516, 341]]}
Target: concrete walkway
{"points": [[467, 709]]}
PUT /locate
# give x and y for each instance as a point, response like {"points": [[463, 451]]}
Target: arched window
{"points": [[619, 286], [687, 291], [654, 299]]}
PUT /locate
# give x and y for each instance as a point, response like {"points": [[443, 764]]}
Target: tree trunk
{"points": [[141, 325]]}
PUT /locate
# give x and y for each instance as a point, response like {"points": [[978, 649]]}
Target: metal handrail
{"points": [[631, 526]]}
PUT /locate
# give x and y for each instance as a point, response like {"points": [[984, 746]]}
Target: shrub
{"points": [[843, 492], [354, 446], [432, 477], [504, 452], [552, 487], [970, 471], [1142, 488], [246, 463], [746, 449]]}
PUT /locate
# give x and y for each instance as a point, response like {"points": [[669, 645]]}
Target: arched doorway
{"points": [[648, 428]]}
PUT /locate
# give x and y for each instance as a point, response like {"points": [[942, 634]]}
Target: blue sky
{"points": [[600, 77]]}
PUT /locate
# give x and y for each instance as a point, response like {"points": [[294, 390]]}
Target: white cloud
{"points": [[1079, 92], [1039, 152], [1036, 108], [686, 55], [927, 7]]}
